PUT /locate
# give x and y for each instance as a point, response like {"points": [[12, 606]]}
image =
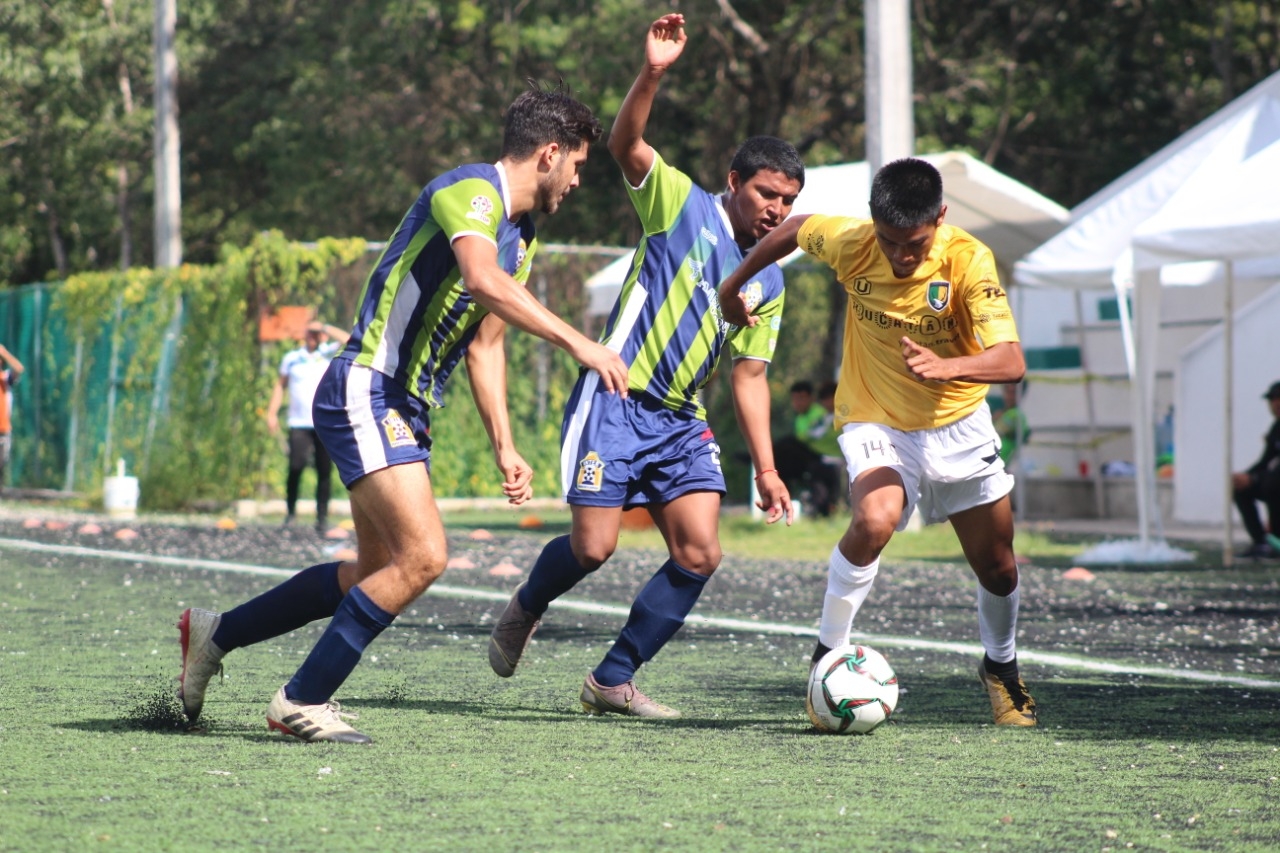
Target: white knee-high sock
{"points": [[847, 587], [998, 623]]}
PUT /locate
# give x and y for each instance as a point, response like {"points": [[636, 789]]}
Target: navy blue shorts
{"points": [[616, 452], [368, 422]]}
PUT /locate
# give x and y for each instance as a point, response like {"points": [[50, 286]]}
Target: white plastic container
{"points": [[120, 494]]}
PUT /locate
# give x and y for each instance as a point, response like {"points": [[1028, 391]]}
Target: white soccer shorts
{"points": [[945, 470]]}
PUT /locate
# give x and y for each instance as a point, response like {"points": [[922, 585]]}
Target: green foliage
{"points": [[186, 377]]}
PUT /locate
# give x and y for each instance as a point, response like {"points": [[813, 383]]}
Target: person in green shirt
{"points": [[799, 456], [1010, 422]]}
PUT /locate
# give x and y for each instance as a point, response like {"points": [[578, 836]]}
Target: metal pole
{"points": [[890, 124], [168, 194], [1228, 371], [73, 430]]}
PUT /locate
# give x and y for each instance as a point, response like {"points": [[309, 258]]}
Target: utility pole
{"points": [[890, 126], [168, 197]]}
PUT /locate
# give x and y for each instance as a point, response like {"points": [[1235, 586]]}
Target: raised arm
{"points": [[493, 288], [487, 371], [664, 43], [12, 360], [775, 246], [337, 333]]}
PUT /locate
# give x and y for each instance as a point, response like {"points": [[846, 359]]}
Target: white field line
{"points": [[749, 625]]}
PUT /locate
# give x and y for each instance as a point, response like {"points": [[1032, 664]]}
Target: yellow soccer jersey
{"points": [[953, 305]]}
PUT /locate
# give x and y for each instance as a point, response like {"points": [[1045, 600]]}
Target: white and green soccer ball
{"points": [[852, 690]]}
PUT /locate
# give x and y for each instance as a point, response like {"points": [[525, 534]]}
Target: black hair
{"points": [[826, 389], [802, 386], [540, 116], [906, 193], [767, 152]]}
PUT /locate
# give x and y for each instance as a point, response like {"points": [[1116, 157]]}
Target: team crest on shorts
{"points": [[397, 429], [939, 294], [590, 472]]}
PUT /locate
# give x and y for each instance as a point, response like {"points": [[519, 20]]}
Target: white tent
{"points": [[1098, 247], [1008, 216], [1231, 215]]}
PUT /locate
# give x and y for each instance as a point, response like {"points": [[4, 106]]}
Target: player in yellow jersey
{"points": [[927, 329]]}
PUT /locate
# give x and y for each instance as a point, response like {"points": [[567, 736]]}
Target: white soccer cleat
{"points": [[312, 722], [201, 659]]}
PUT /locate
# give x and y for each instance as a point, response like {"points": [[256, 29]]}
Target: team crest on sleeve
{"points": [[939, 294], [522, 251], [481, 209], [590, 472], [397, 430], [753, 295]]}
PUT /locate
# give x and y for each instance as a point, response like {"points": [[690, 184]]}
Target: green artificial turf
{"points": [[93, 754]]}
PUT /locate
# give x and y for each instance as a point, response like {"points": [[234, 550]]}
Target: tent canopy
{"points": [[1235, 217], [1187, 172], [1011, 218]]}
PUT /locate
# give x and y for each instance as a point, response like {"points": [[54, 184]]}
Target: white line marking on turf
{"points": [[781, 628]]}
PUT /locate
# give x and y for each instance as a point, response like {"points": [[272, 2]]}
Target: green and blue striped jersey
{"points": [[416, 317], [667, 324]]}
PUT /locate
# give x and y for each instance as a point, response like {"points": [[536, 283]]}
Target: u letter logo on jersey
{"points": [[590, 472], [939, 294], [397, 429]]}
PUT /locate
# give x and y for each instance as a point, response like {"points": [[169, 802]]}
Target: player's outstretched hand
{"points": [[612, 369], [924, 364], [775, 500], [734, 310], [665, 41], [517, 477]]}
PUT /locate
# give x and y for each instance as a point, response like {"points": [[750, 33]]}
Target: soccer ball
{"points": [[851, 691]]}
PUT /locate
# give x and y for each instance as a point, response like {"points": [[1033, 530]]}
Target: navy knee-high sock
{"points": [[309, 595], [356, 624], [555, 573], [656, 614]]}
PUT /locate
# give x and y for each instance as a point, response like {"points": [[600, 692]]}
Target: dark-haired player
{"points": [[654, 448], [451, 277], [927, 329]]}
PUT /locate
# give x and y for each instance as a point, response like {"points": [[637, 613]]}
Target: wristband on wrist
{"points": [[766, 471]]}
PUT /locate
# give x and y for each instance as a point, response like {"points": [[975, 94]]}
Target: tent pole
{"points": [[1228, 374], [1099, 502]]}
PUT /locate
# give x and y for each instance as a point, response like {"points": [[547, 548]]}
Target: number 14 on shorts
{"points": [[880, 449]]}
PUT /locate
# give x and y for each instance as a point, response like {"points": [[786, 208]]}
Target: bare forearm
{"points": [[487, 372], [775, 246], [517, 307], [751, 406], [1000, 364]]}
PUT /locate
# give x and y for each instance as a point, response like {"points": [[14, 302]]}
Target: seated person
{"points": [[1261, 482], [799, 455], [1010, 422]]}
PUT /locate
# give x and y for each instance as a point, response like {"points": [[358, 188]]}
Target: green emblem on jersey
{"points": [[939, 294]]}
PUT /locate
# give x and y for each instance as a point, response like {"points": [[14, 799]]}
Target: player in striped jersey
{"points": [[927, 330], [451, 276], [654, 449]]}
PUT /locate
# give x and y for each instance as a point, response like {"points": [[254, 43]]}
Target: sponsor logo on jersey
{"points": [[939, 294], [695, 268], [397, 429], [481, 209], [862, 285], [590, 473], [710, 236]]}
